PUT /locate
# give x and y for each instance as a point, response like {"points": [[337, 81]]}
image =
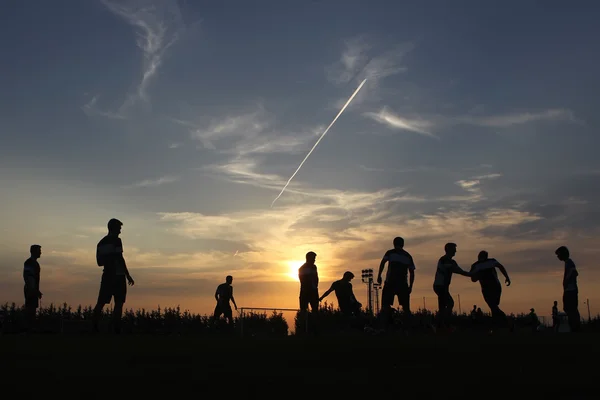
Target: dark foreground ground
{"points": [[512, 366]]}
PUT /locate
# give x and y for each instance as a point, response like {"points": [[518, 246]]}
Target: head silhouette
{"points": [[229, 279], [398, 243], [348, 276], [450, 249], [114, 226], [562, 253], [35, 250], [555, 302], [311, 256], [482, 256]]}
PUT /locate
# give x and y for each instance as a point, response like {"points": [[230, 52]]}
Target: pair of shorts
{"points": [[309, 297], [492, 294], [224, 309], [570, 301], [112, 285], [31, 301], [445, 300], [391, 290]]}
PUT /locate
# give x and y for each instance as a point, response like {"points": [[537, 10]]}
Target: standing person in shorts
{"points": [[224, 295], [115, 276], [570, 289], [309, 283], [31, 276], [400, 266]]}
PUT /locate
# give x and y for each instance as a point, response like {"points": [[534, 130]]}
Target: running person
{"points": [[309, 283], [570, 289], [441, 284], [31, 276], [484, 271], [400, 265], [345, 295], [224, 295], [115, 276]]}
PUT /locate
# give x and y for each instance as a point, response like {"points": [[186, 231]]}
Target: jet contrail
{"points": [[326, 130]]}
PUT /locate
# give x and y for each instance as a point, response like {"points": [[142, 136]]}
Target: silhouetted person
{"points": [[441, 284], [345, 296], [474, 312], [31, 276], [309, 283], [400, 265], [224, 295], [570, 289], [555, 317], [479, 313], [484, 271], [533, 318], [115, 276]]}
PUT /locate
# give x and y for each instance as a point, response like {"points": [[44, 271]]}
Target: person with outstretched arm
{"points": [[223, 296], [347, 302], [484, 272], [446, 267], [400, 266], [31, 276], [115, 276], [309, 283]]}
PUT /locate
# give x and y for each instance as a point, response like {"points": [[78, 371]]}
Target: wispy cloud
{"points": [[508, 120], [425, 125], [153, 182], [158, 25], [385, 116], [91, 110], [473, 185], [361, 60]]}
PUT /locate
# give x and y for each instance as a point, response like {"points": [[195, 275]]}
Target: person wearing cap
{"points": [[345, 296], [115, 276], [31, 276]]}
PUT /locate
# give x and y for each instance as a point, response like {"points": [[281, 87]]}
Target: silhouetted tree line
{"points": [[65, 319]]}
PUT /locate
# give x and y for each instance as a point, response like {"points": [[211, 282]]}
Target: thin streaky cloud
{"points": [[508, 120], [386, 117], [153, 182]]}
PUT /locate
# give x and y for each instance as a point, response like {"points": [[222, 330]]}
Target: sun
{"points": [[292, 267]]}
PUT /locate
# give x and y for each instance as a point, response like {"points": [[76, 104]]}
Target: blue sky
{"points": [[477, 124]]}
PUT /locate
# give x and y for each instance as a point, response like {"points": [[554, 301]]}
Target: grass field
{"points": [[155, 366]]}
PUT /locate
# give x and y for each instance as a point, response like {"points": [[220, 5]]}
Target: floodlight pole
{"points": [[367, 277], [376, 287]]}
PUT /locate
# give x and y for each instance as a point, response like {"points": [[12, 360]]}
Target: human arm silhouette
{"points": [[327, 293], [503, 271], [233, 300], [411, 272], [130, 280], [381, 267], [458, 270]]}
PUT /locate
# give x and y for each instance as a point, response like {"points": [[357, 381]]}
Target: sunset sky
{"points": [[478, 124]]}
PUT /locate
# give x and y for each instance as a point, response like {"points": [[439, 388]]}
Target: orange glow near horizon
{"points": [[292, 266]]}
